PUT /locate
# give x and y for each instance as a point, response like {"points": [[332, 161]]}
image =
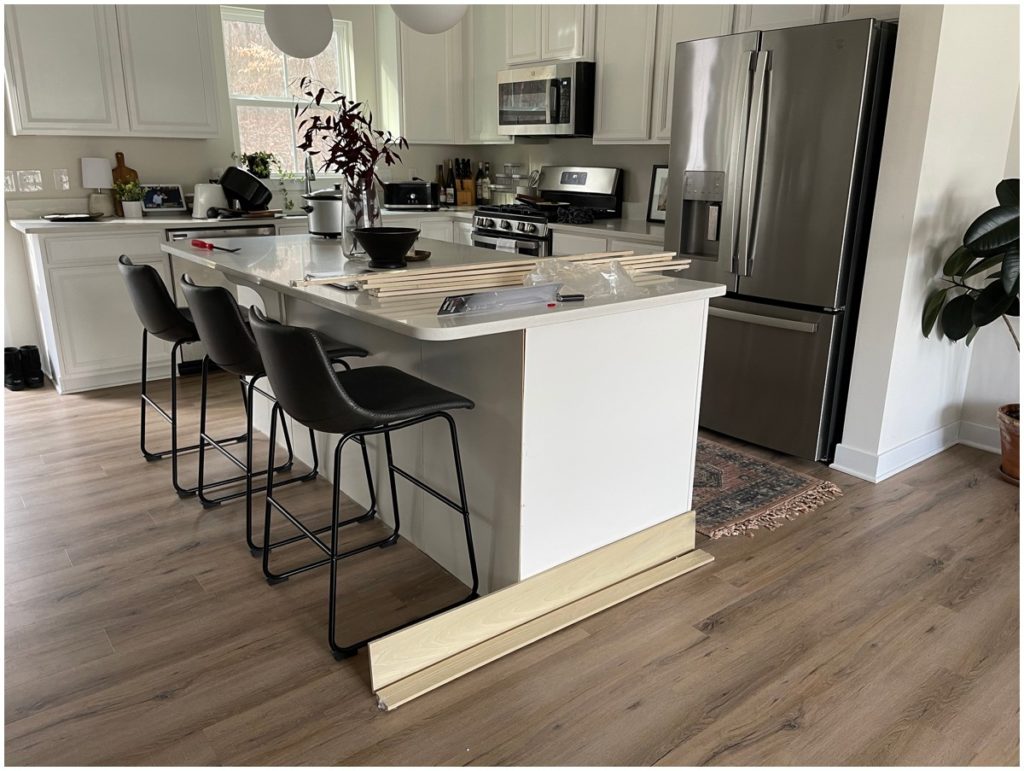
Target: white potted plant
{"points": [[130, 195]]}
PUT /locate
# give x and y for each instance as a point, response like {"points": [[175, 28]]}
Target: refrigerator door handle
{"points": [[764, 321], [752, 164]]}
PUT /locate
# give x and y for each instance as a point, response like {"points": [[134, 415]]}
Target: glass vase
{"points": [[362, 210]]}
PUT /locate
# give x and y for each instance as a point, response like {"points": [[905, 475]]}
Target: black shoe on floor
{"points": [[14, 377], [31, 366]]}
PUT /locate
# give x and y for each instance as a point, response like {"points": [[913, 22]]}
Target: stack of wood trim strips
{"points": [[454, 279]]}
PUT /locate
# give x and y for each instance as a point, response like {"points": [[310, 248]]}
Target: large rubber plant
{"points": [[981, 284]]}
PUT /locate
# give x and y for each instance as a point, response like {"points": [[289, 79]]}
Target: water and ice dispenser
{"points": [[701, 223]]}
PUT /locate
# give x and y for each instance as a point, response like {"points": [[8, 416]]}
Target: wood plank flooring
{"points": [[882, 628]]}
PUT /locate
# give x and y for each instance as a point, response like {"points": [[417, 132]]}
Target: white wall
{"points": [[994, 377], [937, 172]]}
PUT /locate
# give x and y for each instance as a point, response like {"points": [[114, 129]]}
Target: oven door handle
{"points": [[531, 246], [554, 101]]}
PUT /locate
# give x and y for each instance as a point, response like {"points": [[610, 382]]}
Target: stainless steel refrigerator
{"points": [[774, 156]]}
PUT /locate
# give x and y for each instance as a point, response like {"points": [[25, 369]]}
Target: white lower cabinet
{"points": [[574, 243], [439, 230], [463, 233], [570, 243], [92, 336]]}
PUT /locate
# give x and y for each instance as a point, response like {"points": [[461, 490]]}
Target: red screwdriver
{"points": [[200, 244]]}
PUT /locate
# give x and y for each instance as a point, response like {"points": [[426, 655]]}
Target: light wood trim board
{"points": [[391, 696], [417, 647]]}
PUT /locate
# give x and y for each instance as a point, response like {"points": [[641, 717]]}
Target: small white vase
{"points": [[132, 209]]}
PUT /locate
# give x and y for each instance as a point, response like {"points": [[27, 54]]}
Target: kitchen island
{"points": [[579, 455]]}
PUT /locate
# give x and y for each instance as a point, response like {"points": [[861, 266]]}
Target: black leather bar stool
{"points": [[162, 319], [224, 329], [356, 404]]}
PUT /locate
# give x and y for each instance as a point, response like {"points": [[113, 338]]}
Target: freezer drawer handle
{"points": [[764, 321]]}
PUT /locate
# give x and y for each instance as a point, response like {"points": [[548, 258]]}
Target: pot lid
{"points": [[327, 194]]}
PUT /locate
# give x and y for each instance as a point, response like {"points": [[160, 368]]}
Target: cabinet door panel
{"points": [[464, 233], [485, 56], [168, 69], [64, 70], [570, 243], [522, 34], [752, 17], [625, 59], [563, 32], [848, 12], [637, 247], [439, 230], [431, 89], [676, 24], [97, 329]]}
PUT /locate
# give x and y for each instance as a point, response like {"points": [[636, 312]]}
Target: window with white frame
{"points": [[263, 83]]}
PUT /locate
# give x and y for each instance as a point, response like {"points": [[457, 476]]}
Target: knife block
{"points": [[465, 192]]}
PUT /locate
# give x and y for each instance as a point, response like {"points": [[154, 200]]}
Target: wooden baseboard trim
{"points": [[391, 696], [403, 653]]}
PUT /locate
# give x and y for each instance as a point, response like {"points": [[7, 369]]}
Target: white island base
{"points": [[578, 456]]}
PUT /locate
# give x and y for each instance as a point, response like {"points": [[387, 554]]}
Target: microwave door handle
{"points": [[554, 101], [752, 164]]}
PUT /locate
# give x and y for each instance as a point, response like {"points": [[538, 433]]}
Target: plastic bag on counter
{"points": [[609, 279]]}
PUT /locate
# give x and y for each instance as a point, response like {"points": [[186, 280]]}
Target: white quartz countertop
{"points": [[273, 262]]}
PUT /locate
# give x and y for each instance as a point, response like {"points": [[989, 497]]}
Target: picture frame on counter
{"points": [[657, 201], [162, 198]]}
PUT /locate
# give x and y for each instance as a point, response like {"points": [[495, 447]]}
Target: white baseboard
{"points": [[875, 468], [980, 437]]}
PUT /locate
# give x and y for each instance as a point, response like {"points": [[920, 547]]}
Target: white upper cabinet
{"points": [[566, 31], [105, 71], [168, 70], [63, 70], [542, 32], [484, 39], [751, 17], [431, 85], [522, 34], [847, 12], [677, 24], [624, 54]]}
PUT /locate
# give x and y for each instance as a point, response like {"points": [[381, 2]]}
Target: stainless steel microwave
{"points": [[547, 100]]}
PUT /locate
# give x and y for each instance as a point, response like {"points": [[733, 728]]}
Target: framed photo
{"points": [[162, 198], [658, 201]]}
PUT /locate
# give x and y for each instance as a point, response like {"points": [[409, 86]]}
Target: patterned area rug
{"points": [[735, 493]]}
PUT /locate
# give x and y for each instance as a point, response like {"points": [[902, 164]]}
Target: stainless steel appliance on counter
{"points": [[547, 100], [773, 165], [523, 228], [415, 195]]}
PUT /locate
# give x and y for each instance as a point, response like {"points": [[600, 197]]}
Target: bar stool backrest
{"points": [[153, 304], [222, 328], [304, 382]]}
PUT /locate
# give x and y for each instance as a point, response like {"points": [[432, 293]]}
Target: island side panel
{"points": [[487, 370], [610, 412]]}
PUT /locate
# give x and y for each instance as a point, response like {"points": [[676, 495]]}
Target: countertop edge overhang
{"points": [[670, 291]]}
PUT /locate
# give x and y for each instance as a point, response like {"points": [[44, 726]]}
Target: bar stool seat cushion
{"points": [[388, 395]]}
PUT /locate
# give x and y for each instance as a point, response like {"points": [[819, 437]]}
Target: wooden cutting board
{"points": [[122, 173]]}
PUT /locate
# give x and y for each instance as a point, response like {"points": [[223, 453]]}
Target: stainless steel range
{"points": [[567, 194]]}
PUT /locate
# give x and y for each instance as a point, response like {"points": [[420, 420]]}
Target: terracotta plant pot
{"points": [[1009, 438]]}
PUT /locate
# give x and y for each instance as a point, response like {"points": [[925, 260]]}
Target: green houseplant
{"points": [[981, 284], [130, 195]]}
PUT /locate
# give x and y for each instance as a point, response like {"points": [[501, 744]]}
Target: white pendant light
{"points": [[302, 31], [430, 19]]}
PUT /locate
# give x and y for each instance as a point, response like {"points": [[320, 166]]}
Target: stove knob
{"points": [[521, 227], [489, 223], [506, 225], [530, 227]]}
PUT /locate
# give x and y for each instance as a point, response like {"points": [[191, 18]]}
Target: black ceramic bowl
{"points": [[387, 247]]}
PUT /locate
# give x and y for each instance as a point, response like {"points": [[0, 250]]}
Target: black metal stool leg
{"points": [[393, 538], [142, 401], [463, 504], [182, 491]]}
